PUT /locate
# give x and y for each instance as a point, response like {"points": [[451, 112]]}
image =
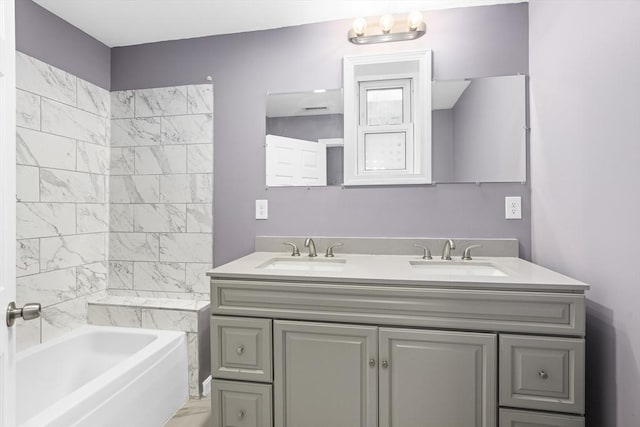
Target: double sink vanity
{"points": [[378, 334]]}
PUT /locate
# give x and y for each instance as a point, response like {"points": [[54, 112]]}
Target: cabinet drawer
{"points": [[241, 348], [513, 418], [542, 373], [235, 404]]}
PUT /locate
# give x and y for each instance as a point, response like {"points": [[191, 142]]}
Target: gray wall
{"points": [[488, 130], [442, 145], [481, 41], [43, 35], [585, 152], [310, 128]]}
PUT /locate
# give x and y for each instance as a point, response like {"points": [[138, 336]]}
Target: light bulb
{"points": [[359, 26], [414, 20], [386, 23]]}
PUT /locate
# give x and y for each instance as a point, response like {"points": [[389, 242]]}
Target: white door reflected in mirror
{"points": [[295, 162]]}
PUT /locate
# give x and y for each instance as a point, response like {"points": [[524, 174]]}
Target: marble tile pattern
{"points": [[61, 318], [114, 192], [62, 156], [161, 191]]}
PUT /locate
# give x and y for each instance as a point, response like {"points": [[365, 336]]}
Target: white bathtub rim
{"points": [[137, 359], [85, 329], [129, 380]]}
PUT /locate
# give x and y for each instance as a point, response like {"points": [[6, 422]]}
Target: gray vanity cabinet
{"points": [[313, 354], [327, 375], [437, 378], [323, 375]]}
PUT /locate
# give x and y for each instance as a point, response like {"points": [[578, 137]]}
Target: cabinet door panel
{"points": [[437, 378], [322, 375], [544, 373], [241, 348], [237, 404], [516, 418]]}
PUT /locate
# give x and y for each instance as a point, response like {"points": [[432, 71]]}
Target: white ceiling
{"points": [[445, 93], [129, 22], [293, 104]]}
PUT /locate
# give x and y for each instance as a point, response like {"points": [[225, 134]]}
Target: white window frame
{"points": [[403, 82], [417, 124]]}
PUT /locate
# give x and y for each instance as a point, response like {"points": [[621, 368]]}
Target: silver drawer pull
{"points": [[240, 350], [241, 414], [372, 362], [385, 364], [543, 375]]}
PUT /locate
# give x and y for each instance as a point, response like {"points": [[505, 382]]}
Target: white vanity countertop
{"points": [[397, 270]]}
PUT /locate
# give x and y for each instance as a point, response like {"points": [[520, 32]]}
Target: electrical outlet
{"points": [[513, 208], [262, 209]]}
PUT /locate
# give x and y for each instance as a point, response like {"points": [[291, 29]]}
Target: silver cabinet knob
{"points": [[241, 414], [543, 375], [384, 364], [372, 362], [27, 312], [240, 350]]}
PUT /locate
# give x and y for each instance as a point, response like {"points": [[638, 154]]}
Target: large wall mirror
{"points": [[478, 133], [304, 138]]}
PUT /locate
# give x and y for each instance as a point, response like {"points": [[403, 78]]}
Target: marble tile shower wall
{"points": [[62, 140], [114, 192], [161, 192]]}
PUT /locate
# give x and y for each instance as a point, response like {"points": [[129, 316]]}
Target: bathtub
{"points": [[103, 376]]}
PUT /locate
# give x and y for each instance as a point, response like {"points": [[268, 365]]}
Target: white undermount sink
{"points": [[453, 268], [304, 264]]}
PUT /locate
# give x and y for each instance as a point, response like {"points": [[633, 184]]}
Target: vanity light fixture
{"points": [[386, 23], [416, 28]]}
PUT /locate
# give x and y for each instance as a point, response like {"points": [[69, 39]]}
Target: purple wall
{"points": [[585, 176], [480, 41], [43, 35]]}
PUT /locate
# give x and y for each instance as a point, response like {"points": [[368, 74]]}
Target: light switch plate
{"points": [[513, 207], [262, 209]]}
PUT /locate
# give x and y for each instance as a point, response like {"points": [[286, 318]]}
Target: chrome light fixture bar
{"points": [[416, 29]]}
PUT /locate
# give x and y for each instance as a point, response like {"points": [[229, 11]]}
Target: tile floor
{"points": [[194, 413]]}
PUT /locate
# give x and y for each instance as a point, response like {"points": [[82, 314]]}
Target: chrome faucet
{"points": [[294, 248], [426, 253], [309, 243], [329, 252], [446, 251], [466, 256]]}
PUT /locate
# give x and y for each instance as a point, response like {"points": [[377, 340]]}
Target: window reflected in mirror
{"points": [[478, 133]]}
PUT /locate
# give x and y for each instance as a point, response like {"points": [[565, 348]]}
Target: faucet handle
{"points": [[426, 254], [294, 248], [329, 253], [466, 256]]}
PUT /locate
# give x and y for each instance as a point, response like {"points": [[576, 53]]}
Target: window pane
{"points": [[384, 106], [385, 151]]}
